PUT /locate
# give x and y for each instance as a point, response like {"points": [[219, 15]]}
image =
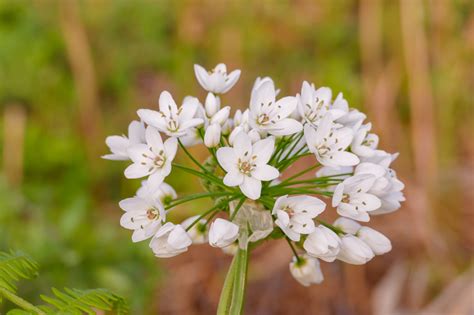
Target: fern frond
{"points": [[14, 266], [74, 301]]}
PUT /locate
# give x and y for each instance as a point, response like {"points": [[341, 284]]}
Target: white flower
{"points": [[364, 143], [327, 171], [212, 136], [153, 158], [354, 250], [170, 240], [387, 187], [329, 144], [269, 115], [352, 199], [323, 243], [259, 81], [306, 270], [119, 145], [295, 214], [216, 81], [314, 104], [246, 164], [170, 120], [378, 242], [164, 193], [198, 232], [144, 216], [353, 119], [222, 233]]}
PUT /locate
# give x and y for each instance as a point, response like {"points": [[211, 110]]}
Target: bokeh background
{"points": [[72, 72]]}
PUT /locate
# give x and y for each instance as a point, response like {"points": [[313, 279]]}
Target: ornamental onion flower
{"points": [[254, 193]]}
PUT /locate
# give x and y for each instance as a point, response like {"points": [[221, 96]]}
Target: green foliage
{"points": [[73, 301], [14, 266], [17, 265]]}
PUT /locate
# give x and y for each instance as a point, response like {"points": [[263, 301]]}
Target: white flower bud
{"points": [[198, 232], [211, 104], [221, 116], [347, 225], [306, 270], [212, 137], [378, 242], [222, 233], [354, 251], [234, 133], [170, 240], [323, 243]]}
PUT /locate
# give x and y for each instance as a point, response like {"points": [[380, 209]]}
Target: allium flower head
{"points": [[254, 193]]}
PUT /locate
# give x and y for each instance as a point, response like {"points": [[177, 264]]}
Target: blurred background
{"points": [[72, 72]]}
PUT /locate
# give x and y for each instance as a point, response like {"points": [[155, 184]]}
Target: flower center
{"points": [[159, 160], [152, 214], [173, 125], [246, 167], [290, 211], [346, 198], [263, 119], [323, 149]]}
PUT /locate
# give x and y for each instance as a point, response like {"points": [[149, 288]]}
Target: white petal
{"points": [[233, 178], [202, 76], [153, 139], [265, 173], [167, 104], [263, 150], [251, 187], [136, 171], [242, 145], [286, 127], [286, 105], [344, 158], [227, 159], [232, 78], [152, 118], [171, 146]]}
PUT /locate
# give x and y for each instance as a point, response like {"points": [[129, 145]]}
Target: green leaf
{"points": [[15, 266], [74, 301]]}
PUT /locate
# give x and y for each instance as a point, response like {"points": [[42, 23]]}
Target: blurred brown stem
{"points": [[80, 59], [13, 149]]}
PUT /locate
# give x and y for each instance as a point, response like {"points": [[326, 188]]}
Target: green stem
{"points": [[300, 173], [226, 294], [216, 207], [240, 280], [293, 249], [27, 306], [191, 157], [207, 176], [194, 197]]}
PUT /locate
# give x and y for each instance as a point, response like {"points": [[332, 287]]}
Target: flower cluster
{"points": [[253, 199]]}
